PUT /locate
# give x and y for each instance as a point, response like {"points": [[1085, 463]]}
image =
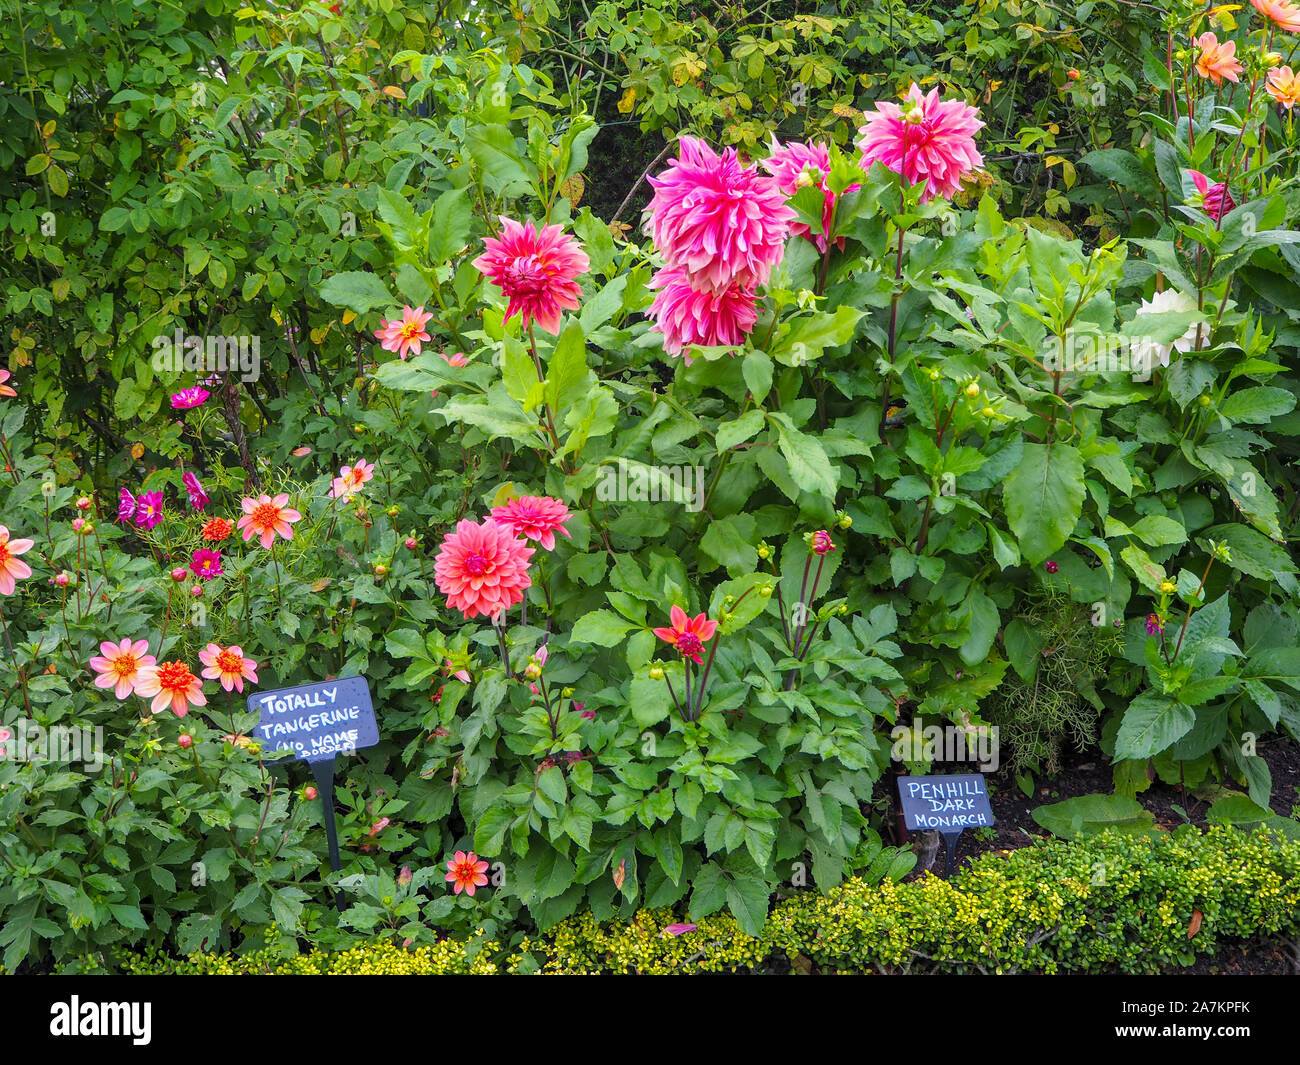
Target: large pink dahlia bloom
{"points": [[723, 223], [926, 139], [482, 568], [789, 164], [534, 518], [686, 315], [536, 269]]}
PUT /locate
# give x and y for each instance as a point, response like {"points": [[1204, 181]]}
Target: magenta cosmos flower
{"points": [[190, 397], [723, 223], [688, 315], [148, 509], [125, 506], [119, 665], [12, 568], [406, 335], [482, 568], [536, 269], [925, 140], [1215, 199], [534, 517], [198, 497], [796, 166], [206, 563]]}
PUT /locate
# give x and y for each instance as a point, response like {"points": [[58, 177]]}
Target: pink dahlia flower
{"points": [[12, 568], [267, 518], [406, 335], [119, 665], [482, 568], [170, 684], [536, 269], [228, 665], [723, 223], [535, 518], [688, 634], [351, 479], [925, 140], [795, 166], [1281, 13], [466, 872], [686, 315], [1216, 200]]}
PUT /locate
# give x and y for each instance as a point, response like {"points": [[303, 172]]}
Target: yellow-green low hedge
{"points": [[1113, 903]]}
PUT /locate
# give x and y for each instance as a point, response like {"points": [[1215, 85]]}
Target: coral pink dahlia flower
{"points": [[267, 518], [1282, 13], [228, 665], [925, 140], [119, 665], [721, 222], [170, 683], [12, 568], [535, 518], [482, 568], [406, 335], [537, 269], [466, 872], [688, 634], [687, 315]]}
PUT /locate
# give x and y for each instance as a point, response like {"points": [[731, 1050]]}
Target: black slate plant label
{"points": [[316, 721], [946, 804]]}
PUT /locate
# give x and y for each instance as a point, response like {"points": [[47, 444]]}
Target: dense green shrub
{"points": [[1115, 903]]}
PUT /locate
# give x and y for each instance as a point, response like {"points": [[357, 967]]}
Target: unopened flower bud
{"points": [[411, 543], [656, 673], [62, 579], [84, 503], [309, 792], [178, 574], [186, 740], [973, 389], [197, 591]]}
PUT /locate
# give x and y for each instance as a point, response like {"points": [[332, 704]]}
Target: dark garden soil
{"points": [[1087, 773]]}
